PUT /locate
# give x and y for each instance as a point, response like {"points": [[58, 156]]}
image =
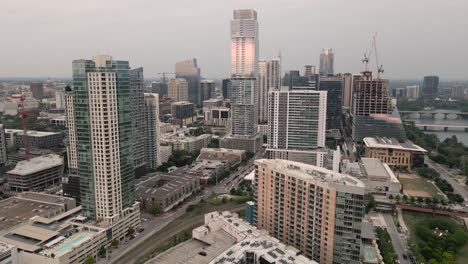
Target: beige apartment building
{"points": [[177, 89], [310, 208]]}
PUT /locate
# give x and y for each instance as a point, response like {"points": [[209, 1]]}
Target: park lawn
{"points": [[418, 186], [413, 218]]}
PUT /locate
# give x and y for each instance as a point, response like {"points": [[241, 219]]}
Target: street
{"points": [[448, 175], [152, 226], [399, 243]]}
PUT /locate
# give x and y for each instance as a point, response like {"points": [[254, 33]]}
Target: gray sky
{"points": [[40, 38]]}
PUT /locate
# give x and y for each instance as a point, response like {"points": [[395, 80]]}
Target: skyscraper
{"points": [[226, 89], [207, 90], [151, 129], [188, 70], [326, 62], [3, 146], [347, 91], [37, 90], [138, 104], [334, 87], [313, 209], [430, 87], [177, 90], [309, 70], [296, 125], [244, 65], [102, 102], [269, 78], [373, 113]]}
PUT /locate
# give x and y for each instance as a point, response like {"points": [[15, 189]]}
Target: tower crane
{"points": [[368, 55], [164, 75], [23, 114]]}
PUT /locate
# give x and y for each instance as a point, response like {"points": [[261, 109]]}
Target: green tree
{"points": [[130, 231], [102, 251], [115, 243], [90, 260]]}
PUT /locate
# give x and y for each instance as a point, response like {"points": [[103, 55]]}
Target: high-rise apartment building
{"points": [[294, 79], [412, 92], [137, 87], [326, 62], [189, 70], [316, 210], [102, 101], [3, 146], [430, 87], [334, 87], [207, 90], [37, 90], [296, 125], [373, 113], [269, 78], [152, 131], [347, 91], [244, 65], [177, 90]]}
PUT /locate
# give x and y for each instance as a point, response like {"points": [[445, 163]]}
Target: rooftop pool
{"points": [[70, 244]]}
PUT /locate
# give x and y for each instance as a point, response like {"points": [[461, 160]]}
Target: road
{"points": [[448, 175], [399, 243], [152, 226]]}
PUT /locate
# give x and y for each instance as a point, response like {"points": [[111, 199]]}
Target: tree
{"points": [[412, 199], [405, 198], [390, 197], [102, 251], [420, 200], [115, 243], [370, 203], [130, 231], [397, 198], [90, 260], [155, 209]]}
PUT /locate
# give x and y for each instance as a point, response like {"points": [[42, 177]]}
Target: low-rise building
{"points": [[37, 174], [378, 177], [165, 190], [180, 141], [165, 152], [226, 238], [36, 139], [393, 152], [213, 161]]}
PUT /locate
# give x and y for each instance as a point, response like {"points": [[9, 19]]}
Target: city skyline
{"points": [[58, 32]]}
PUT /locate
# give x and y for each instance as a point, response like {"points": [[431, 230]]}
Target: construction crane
{"points": [[23, 114], [164, 75], [368, 55]]}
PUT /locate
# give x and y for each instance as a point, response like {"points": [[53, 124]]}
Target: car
{"points": [[141, 230], [132, 237]]}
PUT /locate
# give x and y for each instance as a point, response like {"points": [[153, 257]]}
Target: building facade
{"points": [[103, 114], [313, 209], [137, 87], [244, 73], [430, 87], [182, 113], [177, 90], [152, 130], [334, 87], [37, 90], [269, 78], [189, 70], [3, 146], [207, 90], [297, 125], [347, 91], [327, 59], [373, 113], [393, 152], [226, 88]]}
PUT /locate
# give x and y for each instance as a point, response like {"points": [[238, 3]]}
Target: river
{"points": [[439, 120]]}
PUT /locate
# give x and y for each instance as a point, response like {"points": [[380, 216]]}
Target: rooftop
{"points": [[26, 167], [17, 210], [307, 171], [375, 167], [161, 184], [392, 143], [32, 133], [226, 238]]}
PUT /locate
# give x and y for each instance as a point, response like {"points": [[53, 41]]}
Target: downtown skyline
{"points": [[62, 30]]}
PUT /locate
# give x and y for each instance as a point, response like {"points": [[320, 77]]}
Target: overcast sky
{"points": [[40, 38]]}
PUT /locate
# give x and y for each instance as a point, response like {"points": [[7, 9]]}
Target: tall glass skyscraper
{"points": [[189, 70], [326, 62], [430, 87], [103, 124], [243, 95], [334, 86]]}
